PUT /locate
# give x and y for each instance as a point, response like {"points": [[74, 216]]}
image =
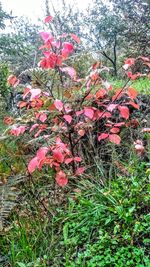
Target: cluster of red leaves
{"points": [[56, 51], [70, 121]]}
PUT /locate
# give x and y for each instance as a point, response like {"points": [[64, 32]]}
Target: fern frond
{"points": [[8, 197]]}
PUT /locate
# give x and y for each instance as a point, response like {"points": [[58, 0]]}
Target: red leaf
{"points": [[128, 62], [80, 170], [78, 159], [13, 81], [114, 138], [68, 160], [58, 104], [52, 107], [48, 19], [133, 76], [8, 120], [18, 130], [89, 112], [68, 48], [68, 118], [119, 124], [117, 94], [26, 92], [106, 115], [22, 104], [133, 104], [61, 178], [33, 165], [58, 156], [75, 38], [132, 93], [124, 112], [42, 151], [96, 65], [115, 130], [103, 136], [81, 132], [78, 113], [101, 93]]}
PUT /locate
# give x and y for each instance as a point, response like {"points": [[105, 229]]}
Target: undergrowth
{"points": [[98, 226]]}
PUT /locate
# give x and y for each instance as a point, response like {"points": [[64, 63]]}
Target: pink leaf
{"points": [[114, 130], [80, 170], [34, 126], [58, 156], [33, 165], [68, 118], [111, 107], [78, 113], [114, 138], [35, 93], [78, 159], [128, 62], [48, 19], [75, 38], [70, 71], [81, 132], [68, 160], [46, 36], [119, 124], [103, 136], [18, 130], [58, 104], [67, 49], [43, 117], [124, 112], [89, 112], [146, 130], [26, 92], [42, 151], [61, 178]]}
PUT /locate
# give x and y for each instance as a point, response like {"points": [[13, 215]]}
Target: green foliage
{"points": [[142, 85], [3, 17], [100, 226], [18, 46], [4, 88], [109, 226]]}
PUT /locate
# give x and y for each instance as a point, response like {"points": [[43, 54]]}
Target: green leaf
{"points": [[20, 264]]}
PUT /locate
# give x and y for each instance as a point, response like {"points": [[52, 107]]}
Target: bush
{"points": [[73, 117]]}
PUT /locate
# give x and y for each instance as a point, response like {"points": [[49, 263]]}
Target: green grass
{"points": [[105, 226], [142, 85]]}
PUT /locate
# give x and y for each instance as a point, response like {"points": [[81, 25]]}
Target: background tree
{"points": [[135, 14], [18, 46], [104, 31], [3, 16]]}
